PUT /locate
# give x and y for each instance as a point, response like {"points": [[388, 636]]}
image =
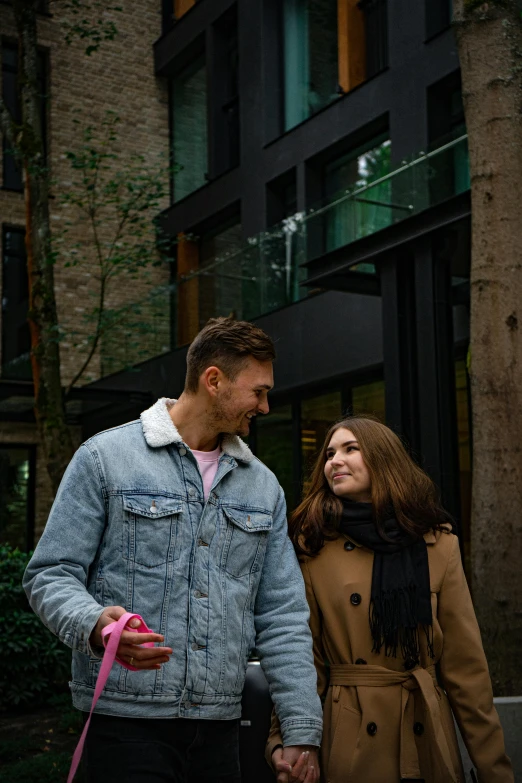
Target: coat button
{"points": [[418, 729], [355, 599], [195, 646], [349, 545], [360, 661], [183, 451], [371, 728]]}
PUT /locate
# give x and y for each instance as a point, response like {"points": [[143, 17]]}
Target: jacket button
{"points": [[371, 728], [183, 451], [195, 646], [418, 729], [349, 545], [360, 661], [355, 599], [192, 491]]}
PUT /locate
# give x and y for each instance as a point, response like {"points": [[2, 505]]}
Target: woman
{"points": [[396, 643]]}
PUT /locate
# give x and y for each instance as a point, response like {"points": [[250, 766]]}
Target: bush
{"points": [[35, 664], [51, 768]]}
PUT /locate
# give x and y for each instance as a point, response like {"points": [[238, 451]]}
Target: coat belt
{"points": [[417, 679]]}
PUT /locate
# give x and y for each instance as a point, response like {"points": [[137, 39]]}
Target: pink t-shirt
{"points": [[208, 465]]}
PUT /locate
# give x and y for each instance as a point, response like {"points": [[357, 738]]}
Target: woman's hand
{"points": [[296, 763]]}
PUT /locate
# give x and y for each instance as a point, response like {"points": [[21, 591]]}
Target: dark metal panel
{"points": [[201, 205], [317, 340], [184, 33], [253, 175], [324, 337], [392, 238], [399, 347], [436, 372]]}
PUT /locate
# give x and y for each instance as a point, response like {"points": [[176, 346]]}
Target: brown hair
{"points": [[227, 344], [396, 483]]}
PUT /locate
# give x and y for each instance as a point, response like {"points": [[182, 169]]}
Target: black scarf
{"points": [[400, 597]]}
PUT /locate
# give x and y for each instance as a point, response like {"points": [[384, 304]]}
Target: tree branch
{"points": [[97, 335]]}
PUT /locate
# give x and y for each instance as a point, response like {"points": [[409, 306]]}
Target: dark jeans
{"points": [[141, 750]]}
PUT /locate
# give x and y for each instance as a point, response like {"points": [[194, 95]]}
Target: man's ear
{"points": [[212, 380]]}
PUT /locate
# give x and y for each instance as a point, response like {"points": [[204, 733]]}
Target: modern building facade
{"points": [[320, 187]]}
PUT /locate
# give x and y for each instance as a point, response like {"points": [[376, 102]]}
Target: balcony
{"points": [[267, 271]]}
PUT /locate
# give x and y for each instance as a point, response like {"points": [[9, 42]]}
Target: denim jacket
{"points": [[130, 527]]}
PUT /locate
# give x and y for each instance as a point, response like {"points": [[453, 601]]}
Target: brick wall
{"points": [[119, 77]]}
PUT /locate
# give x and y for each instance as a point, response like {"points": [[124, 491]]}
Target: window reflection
{"points": [[274, 448], [317, 416], [310, 57], [189, 128], [369, 399], [15, 469], [371, 210], [221, 282]]}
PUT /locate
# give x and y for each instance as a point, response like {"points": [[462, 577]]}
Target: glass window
{"points": [[225, 95], [310, 58], [450, 172], [12, 178], [349, 219], [375, 15], [16, 497], [369, 398], [16, 339], [438, 16], [189, 129], [274, 447], [221, 281], [317, 416], [12, 174]]}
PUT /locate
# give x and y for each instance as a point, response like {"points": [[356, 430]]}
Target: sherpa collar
{"points": [[160, 430]]}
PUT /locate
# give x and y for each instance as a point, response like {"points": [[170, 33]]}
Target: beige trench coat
{"points": [[382, 723]]}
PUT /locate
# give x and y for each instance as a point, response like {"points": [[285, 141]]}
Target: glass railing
{"points": [[266, 273], [414, 186], [136, 331]]}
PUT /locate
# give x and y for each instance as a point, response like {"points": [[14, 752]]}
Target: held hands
{"points": [[129, 648], [296, 763]]}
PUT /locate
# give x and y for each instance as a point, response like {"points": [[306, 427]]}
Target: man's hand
{"points": [[296, 763], [129, 648]]}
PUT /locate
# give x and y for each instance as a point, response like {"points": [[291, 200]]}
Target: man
{"points": [[173, 518]]}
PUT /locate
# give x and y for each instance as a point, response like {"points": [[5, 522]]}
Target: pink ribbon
{"points": [[111, 635]]}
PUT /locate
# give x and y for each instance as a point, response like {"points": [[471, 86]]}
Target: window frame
{"points": [[31, 490], [43, 64], [7, 227]]}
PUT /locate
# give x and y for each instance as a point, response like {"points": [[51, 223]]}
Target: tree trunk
{"points": [[489, 37], [55, 436]]}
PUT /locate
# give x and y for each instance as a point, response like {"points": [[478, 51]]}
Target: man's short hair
{"points": [[227, 344]]}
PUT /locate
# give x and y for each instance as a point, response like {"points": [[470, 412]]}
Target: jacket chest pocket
{"points": [[245, 540], [150, 529]]}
